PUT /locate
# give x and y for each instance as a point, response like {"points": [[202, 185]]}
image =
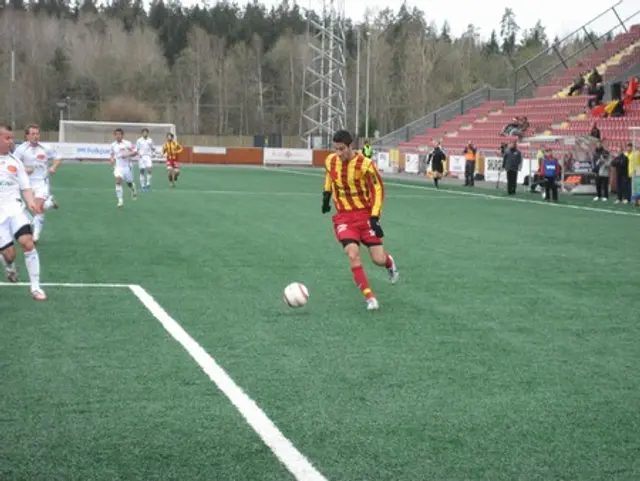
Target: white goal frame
{"points": [[128, 127]]}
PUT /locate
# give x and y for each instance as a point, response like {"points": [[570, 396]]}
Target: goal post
{"points": [[90, 132]]}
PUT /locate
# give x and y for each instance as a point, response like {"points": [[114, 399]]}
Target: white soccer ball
{"points": [[295, 295]]}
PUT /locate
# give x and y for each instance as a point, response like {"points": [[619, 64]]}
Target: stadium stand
{"points": [[551, 111]]}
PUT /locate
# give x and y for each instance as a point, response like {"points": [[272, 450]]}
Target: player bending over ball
{"points": [[14, 220], [354, 183], [121, 153], [145, 149], [35, 158], [171, 149]]}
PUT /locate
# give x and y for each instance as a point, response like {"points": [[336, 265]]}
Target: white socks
{"points": [[38, 223], [148, 179], [32, 260], [143, 180], [6, 265], [119, 191]]}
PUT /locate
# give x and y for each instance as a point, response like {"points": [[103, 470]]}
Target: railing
{"points": [[434, 119], [567, 52]]}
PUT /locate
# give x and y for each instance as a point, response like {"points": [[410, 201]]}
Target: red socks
{"points": [[389, 262], [361, 281]]}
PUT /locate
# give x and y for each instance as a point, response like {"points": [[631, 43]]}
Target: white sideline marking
{"points": [[284, 450], [64, 284], [239, 192], [478, 194]]}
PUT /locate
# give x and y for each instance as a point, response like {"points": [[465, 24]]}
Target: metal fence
{"points": [[567, 52], [434, 119]]}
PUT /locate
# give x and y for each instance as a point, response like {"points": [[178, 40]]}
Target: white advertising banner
{"points": [[456, 165], [411, 163], [492, 167], [88, 151], [383, 161], [288, 156], [209, 150]]}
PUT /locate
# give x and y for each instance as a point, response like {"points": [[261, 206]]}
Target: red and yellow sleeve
{"points": [[178, 148], [327, 175], [376, 189]]}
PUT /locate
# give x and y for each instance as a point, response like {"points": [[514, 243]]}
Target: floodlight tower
{"points": [[324, 105]]}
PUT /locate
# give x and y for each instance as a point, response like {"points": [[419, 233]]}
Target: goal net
{"points": [[86, 132]]}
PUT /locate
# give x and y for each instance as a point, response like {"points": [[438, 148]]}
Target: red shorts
{"points": [[173, 164], [354, 226]]}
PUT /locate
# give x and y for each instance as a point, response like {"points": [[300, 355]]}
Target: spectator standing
{"points": [[595, 132], [512, 163], [623, 181], [367, 150], [601, 165], [470, 153], [550, 171]]}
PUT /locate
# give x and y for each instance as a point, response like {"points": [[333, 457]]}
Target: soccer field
{"points": [[507, 351]]}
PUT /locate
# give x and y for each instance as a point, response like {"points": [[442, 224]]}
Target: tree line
{"points": [[232, 70]]}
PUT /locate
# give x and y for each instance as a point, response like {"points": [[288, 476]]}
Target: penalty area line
{"points": [[282, 448], [66, 284]]}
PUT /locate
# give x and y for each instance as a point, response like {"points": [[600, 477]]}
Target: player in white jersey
{"points": [[15, 223], [145, 149], [36, 157], [122, 152]]}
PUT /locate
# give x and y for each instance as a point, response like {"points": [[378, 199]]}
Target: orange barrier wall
{"points": [[240, 156]]}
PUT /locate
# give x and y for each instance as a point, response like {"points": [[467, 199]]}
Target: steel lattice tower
{"points": [[324, 105]]}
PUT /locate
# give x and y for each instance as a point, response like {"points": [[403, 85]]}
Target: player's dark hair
{"points": [[119, 130], [145, 130], [29, 127], [170, 135], [343, 137], [7, 127]]}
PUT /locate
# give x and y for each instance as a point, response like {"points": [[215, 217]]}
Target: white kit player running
{"points": [[121, 153], [15, 223], [36, 157], [145, 149]]}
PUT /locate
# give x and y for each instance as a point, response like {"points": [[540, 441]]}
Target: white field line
{"points": [[239, 192], [65, 284], [476, 195], [283, 449]]}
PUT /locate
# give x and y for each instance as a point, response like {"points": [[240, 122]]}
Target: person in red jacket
{"points": [[551, 171]]}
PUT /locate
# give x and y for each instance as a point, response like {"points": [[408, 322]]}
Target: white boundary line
{"points": [[237, 192], [64, 284], [476, 194], [292, 459]]}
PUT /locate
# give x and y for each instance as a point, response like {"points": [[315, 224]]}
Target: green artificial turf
{"points": [[508, 351]]}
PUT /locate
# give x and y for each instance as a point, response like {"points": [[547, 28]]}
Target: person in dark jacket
{"points": [[550, 171], [601, 164], [436, 159], [512, 163], [623, 181]]}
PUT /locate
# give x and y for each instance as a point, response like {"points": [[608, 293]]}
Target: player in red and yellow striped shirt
{"points": [[357, 189]]}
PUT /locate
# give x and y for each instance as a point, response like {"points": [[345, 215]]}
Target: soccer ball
{"points": [[295, 295]]}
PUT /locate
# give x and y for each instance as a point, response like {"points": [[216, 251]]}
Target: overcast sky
{"points": [[559, 16]]}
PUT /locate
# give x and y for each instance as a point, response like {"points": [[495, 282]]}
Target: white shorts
{"points": [[12, 224], [124, 173], [40, 188], [145, 162]]}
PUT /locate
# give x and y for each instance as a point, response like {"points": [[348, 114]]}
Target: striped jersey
{"points": [[355, 185]]}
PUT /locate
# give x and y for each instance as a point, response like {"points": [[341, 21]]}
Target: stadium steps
{"points": [[596, 59], [547, 114]]}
